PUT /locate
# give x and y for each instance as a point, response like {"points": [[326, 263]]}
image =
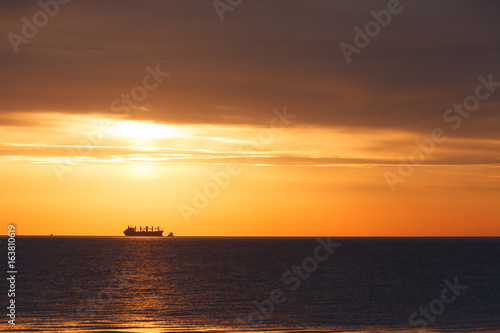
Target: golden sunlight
{"points": [[145, 130], [142, 170]]}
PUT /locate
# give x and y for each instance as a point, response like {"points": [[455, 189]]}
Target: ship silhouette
{"points": [[144, 231]]}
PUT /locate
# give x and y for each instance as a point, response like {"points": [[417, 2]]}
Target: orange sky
{"points": [[303, 182], [117, 115]]}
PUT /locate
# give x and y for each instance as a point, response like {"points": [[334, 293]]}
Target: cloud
{"points": [[265, 54]]}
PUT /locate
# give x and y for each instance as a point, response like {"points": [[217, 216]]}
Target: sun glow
{"points": [[145, 130], [142, 170]]}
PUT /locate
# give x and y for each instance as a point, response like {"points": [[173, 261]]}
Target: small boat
{"points": [[171, 234]]}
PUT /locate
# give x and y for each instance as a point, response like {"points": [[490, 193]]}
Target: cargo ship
{"points": [[144, 231]]}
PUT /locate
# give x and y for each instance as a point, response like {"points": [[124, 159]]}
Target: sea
{"points": [[238, 284]]}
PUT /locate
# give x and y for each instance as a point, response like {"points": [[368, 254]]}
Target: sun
{"points": [[143, 170], [143, 131]]}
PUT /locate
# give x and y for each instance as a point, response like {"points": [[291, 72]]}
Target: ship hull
{"points": [[133, 233]]}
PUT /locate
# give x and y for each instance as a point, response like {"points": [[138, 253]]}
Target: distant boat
{"points": [[144, 231], [171, 234]]}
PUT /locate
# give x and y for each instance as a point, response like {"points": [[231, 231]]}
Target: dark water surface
{"points": [[119, 284]]}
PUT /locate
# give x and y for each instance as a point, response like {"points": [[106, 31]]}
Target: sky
{"points": [[250, 118]]}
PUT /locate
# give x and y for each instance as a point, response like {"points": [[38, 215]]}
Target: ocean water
{"points": [[212, 284]]}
